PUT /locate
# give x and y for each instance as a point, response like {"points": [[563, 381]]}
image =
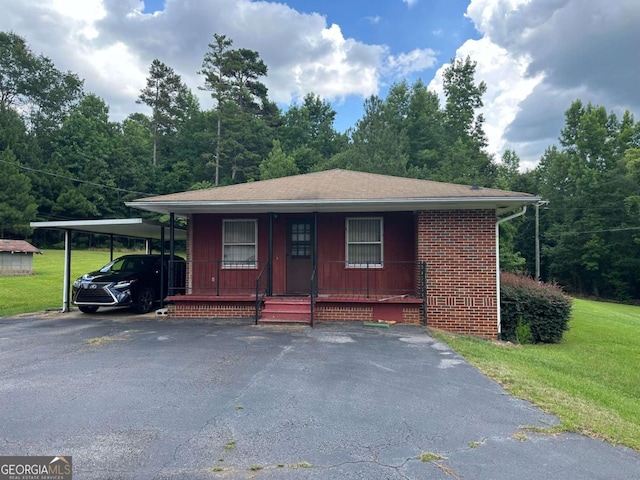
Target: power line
{"points": [[619, 229], [57, 175], [551, 235]]}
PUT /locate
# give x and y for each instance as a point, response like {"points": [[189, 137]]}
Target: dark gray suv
{"points": [[130, 280]]}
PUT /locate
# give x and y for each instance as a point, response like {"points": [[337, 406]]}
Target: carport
{"points": [[124, 227]]}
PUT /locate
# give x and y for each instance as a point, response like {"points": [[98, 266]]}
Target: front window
{"points": [[240, 243], [364, 242]]}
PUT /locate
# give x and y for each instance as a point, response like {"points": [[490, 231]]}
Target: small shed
{"points": [[16, 257]]}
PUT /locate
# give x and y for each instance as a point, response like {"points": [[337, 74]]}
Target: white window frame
{"points": [[347, 243], [230, 265]]}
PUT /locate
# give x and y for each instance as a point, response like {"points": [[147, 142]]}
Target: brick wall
{"points": [[343, 313], [211, 310], [346, 313], [323, 313], [460, 251]]}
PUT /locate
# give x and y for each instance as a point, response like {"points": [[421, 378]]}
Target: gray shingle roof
{"points": [[17, 246], [334, 190], [335, 184]]}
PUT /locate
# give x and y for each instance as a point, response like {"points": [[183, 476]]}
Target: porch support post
{"points": [[172, 249], [162, 292], [111, 247], [66, 294], [315, 239], [270, 258]]}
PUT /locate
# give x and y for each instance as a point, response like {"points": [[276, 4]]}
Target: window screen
{"points": [[364, 242], [240, 243]]}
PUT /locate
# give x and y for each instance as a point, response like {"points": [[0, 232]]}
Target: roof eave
{"points": [[500, 204]]}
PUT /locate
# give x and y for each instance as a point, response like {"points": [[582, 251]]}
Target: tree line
{"points": [[61, 157]]}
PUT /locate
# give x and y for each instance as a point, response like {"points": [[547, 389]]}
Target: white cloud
{"points": [[410, 3], [117, 68], [79, 10], [343, 67], [111, 43], [404, 64], [564, 50], [506, 87]]}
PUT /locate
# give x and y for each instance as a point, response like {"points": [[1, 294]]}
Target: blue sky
{"points": [[439, 25], [536, 56]]}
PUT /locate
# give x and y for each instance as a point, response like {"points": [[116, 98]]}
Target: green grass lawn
{"points": [[591, 380], [43, 289]]}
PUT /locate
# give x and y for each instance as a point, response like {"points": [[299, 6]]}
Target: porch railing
{"points": [[393, 278], [221, 278], [314, 291], [262, 285], [177, 286], [328, 278]]}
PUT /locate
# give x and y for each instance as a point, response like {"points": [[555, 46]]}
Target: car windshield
{"points": [[129, 264]]}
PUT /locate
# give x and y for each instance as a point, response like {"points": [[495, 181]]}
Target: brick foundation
{"points": [[211, 310], [346, 313], [198, 308]]}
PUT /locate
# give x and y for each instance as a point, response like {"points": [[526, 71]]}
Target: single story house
{"points": [[343, 245], [16, 257]]}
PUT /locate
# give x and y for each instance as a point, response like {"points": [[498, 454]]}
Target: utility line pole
{"points": [[538, 204]]}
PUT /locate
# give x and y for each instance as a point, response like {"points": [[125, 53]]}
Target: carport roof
{"points": [[124, 227]]}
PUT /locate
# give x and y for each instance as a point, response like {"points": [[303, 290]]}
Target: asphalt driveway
{"points": [[137, 397]]}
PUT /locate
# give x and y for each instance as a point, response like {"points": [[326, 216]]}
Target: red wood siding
{"points": [[207, 275], [460, 250], [279, 267], [398, 246], [205, 248]]}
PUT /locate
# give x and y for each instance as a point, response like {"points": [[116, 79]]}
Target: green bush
{"points": [[543, 307], [523, 332]]}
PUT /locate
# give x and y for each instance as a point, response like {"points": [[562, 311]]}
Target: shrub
{"points": [[523, 332], [543, 307]]}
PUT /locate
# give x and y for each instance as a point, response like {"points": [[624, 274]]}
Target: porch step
{"points": [[286, 310]]}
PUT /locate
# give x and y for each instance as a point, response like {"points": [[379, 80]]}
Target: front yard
{"points": [[43, 289], [591, 380]]}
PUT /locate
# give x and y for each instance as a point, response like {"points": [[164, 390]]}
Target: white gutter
{"points": [[505, 219]]}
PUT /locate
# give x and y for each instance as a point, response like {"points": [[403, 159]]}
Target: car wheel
{"points": [[88, 308], [144, 302]]}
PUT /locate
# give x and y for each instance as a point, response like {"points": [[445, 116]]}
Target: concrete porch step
{"points": [[305, 321], [286, 309]]}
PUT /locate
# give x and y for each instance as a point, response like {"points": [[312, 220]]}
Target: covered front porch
{"points": [[332, 292], [303, 267]]}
